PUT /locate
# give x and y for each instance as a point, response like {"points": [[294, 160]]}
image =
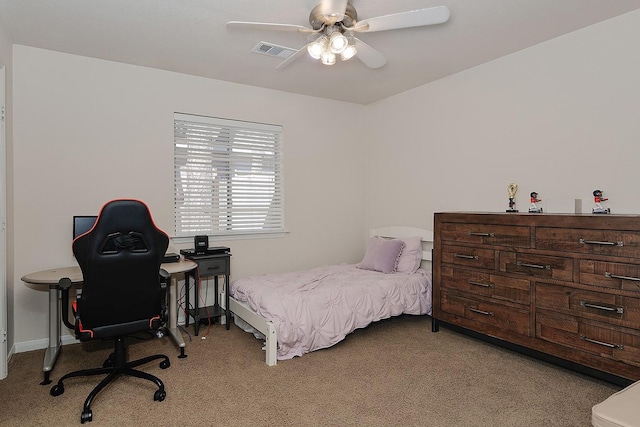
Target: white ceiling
{"points": [[190, 36]]}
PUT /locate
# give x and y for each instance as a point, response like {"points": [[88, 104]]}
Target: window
{"points": [[228, 177]]}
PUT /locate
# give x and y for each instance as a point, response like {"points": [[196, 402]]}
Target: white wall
{"points": [[89, 130], [560, 118]]}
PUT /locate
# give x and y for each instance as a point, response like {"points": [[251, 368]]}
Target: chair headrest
{"points": [[124, 225]]}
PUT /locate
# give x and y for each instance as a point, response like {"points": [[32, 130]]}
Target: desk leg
{"points": [[227, 309], [52, 352], [173, 316]]}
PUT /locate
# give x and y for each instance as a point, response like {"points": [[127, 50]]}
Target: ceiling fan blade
{"points": [[333, 9], [292, 57], [369, 56], [413, 18], [270, 26]]}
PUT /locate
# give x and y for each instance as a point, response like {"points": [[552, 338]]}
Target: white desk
{"points": [[52, 279]]}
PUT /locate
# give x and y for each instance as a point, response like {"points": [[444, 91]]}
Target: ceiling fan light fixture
{"points": [[348, 53], [317, 47], [328, 58], [338, 43]]}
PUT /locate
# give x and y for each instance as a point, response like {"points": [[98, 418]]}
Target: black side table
{"points": [[208, 265]]}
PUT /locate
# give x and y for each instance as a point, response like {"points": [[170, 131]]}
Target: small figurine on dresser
{"points": [[597, 198], [534, 199], [512, 189]]}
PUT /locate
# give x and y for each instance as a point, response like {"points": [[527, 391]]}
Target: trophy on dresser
{"points": [[512, 189], [534, 199], [597, 198]]}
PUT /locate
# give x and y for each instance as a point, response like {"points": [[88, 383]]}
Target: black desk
{"points": [[208, 265]]}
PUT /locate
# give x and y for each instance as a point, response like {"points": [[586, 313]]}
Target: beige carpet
{"points": [[393, 373]]}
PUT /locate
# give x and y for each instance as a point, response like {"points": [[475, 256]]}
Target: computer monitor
{"points": [[82, 224]]}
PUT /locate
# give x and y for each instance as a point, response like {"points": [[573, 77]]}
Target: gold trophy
{"points": [[512, 189]]}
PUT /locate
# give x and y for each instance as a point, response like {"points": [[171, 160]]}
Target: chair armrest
{"points": [[64, 285], [164, 277]]}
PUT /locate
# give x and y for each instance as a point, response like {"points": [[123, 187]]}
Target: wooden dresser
{"points": [[563, 285]]}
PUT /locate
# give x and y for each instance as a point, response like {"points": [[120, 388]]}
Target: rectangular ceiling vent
{"points": [[271, 49]]}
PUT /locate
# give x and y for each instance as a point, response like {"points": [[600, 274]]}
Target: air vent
{"points": [[271, 49]]}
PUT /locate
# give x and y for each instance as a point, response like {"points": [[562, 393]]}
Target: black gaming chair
{"points": [[123, 292]]}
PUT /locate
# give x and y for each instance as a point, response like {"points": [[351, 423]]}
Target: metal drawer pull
{"points": [[522, 264], [472, 233], [484, 285], [619, 310], [465, 256], [615, 276], [595, 242], [605, 344], [486, 313]]}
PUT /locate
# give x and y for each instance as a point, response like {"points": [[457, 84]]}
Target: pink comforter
{"points": [[317, 308]]}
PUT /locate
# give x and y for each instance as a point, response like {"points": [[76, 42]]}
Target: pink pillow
{"points": [[411, 255], [382, 255]]}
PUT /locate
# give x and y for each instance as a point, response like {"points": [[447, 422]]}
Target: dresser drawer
{"points": [[613, 275], [616, 309], [600, 339], [494, 314], [595, 242], [487, 284], [484, 234], [472, 257], [543, 266]]}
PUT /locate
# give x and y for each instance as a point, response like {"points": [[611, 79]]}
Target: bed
{"points": [[302, 311]]}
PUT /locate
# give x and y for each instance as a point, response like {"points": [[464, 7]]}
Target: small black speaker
{"points": [[201, 244]]}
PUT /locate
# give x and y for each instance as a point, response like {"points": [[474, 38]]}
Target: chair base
{"points": [[115, 366]]}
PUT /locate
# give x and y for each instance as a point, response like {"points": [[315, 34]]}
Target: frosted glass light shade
{"points": [[338, 43], [349, 53], [328, 58], [317, 47]]}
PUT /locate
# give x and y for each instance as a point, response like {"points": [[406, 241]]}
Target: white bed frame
{"points": [[268, 329]]}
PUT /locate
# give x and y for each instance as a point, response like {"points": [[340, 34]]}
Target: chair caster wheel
{"points": [[57, 390], [86, 416], [159, 395], [165, 364]]}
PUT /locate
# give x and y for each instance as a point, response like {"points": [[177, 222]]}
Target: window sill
{"points": [[234, 236]]}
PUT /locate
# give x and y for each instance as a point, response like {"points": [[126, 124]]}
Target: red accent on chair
{"points": [[152, 320]]}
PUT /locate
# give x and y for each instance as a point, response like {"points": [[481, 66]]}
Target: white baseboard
{"points": [[21, 347]]}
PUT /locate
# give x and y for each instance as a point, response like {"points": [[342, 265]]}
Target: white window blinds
{"points": [[228, 176]]}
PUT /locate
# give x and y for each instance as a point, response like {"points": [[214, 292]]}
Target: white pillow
{"points": [[411, 255]]}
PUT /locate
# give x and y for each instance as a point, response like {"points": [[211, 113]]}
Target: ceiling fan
{"points": [[333, 24]]}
